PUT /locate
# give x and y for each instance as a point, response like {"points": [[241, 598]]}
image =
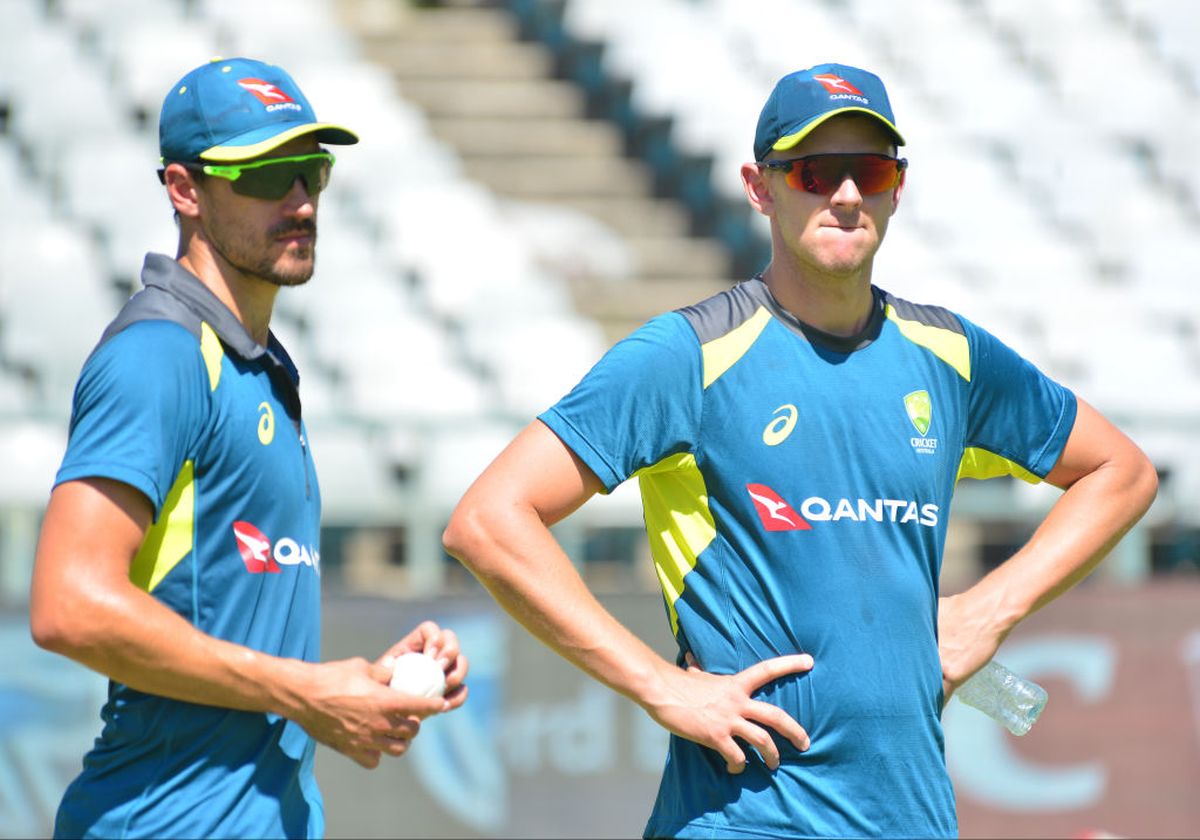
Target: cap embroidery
{"points": [[267, 93], [836, 84]]}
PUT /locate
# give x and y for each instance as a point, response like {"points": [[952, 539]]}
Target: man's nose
{"points": [[847, 193], [297, 199]]}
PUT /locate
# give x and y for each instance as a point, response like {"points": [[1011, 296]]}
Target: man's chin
{"points": [[292, 272], [290, 279]]}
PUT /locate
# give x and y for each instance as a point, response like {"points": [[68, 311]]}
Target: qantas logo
{"points": [[261, 557], [836, 84], [267, 93], [775, 513], [778, 515]]}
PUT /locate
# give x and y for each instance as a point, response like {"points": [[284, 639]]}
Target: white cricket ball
{"points": [[418, 675]]}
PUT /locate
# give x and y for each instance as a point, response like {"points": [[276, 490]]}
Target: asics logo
{"points": [[777, 430], [836, 84], [774, 513], [263, 557], [267, 93], [266, 424]]}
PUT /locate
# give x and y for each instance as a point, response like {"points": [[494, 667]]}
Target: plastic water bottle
{"points": [[1003, 696]]}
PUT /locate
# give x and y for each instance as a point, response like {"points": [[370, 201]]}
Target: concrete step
{"points": [[404, 21], [422, 59], [521, 98], [556, 177], [620, 308], [635, 216], [496, 136], [656, 257], [525, 135]]}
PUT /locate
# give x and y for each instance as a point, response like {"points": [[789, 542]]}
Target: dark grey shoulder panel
{"points": [[725, 311], [934, 316], [153, 304]]}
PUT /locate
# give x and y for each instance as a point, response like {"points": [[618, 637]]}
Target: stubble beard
{"points": [[292, 268]]}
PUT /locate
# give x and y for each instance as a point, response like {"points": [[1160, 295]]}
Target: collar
{"points": [[162, 272], [837, 343]]}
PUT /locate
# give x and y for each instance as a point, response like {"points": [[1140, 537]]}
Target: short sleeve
{"points": [[138, 406], [639, 404], [1015, 411]]}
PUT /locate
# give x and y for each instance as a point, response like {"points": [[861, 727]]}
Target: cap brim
{"points": [[325, 132], [790, 141]]}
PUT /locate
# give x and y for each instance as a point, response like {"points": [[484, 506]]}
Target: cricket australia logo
{"points": [[919, 407]]}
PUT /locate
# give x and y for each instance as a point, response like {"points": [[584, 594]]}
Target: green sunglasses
{"points": [[271, 178]]}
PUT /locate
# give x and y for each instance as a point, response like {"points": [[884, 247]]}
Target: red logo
{"points": [[836, 84], [267, 93], [255, 548], [775, 513]]}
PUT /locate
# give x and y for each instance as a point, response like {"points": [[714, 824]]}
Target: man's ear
{"points": [[182, 190], [758, 191]]}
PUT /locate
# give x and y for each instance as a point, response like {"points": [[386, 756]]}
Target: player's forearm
{"points": [[133, 639], [517, 559], [1083, 526]]}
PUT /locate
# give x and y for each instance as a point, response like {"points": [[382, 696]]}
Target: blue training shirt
{"points": [[796, 489], [178, 401]]}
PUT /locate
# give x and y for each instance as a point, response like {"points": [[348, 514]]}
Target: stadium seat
{"points": [[45, 114], [319, 394], [93, 170], [27, 39], [148, 54], [31, 451], [16, 397], [56, 302], [1174, 30], [357, 485], [30, 201], [454, 454], [570, 245], [537, 361], [418, 391], [289, 33]]}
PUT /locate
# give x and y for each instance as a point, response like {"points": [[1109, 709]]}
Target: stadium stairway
{"points": [[527, 135]]}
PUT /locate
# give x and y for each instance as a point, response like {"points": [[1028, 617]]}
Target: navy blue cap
{"points": [[803, 100], [235, 109]]}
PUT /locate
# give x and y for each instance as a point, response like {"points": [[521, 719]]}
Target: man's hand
{"points": [[966, 642], [441, 645], [714, 709], [349, 707]]}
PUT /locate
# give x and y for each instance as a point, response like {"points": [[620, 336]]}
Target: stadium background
{"points": [[536, 178]]}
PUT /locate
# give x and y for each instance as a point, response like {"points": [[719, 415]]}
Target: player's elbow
{"points": [[466, 534], [1142, 483], [53, 628], [481, 536], [64, 624]]}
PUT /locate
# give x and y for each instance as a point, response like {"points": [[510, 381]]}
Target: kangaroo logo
{"points": [[266, 92], [774, 513]]}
